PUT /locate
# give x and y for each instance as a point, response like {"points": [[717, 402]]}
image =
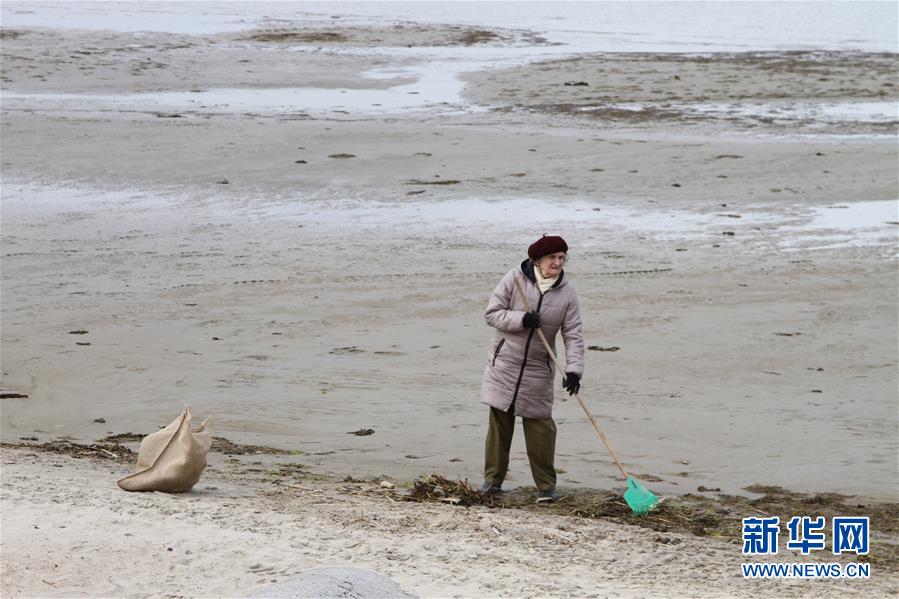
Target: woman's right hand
{"points": [[531, 320]]}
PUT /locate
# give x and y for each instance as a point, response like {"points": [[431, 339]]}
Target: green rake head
{"points": [[639, 498]]}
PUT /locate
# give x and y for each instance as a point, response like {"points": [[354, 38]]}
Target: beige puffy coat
{"points": [[518, 367]]}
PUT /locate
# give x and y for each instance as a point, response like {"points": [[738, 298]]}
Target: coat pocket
{"points": [[499, 346]]}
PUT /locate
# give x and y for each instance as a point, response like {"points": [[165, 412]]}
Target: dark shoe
{"points": [[491, 489], [548, 496]]}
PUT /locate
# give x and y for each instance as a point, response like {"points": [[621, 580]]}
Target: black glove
{"points": [[531, 320], [572, 383]]}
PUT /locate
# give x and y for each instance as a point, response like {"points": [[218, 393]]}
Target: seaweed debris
{"points": [[124, 438], [437, 488], [718, 517], [102, 449], [427, 182], [223, 445], [111, 447], [302, 37], [476, 36], [219, 444]]}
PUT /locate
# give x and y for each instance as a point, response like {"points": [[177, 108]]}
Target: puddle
{"points": [[419, 87], [860, 224], [829, 112], [826, 112], [795, 227], [859, 215]]}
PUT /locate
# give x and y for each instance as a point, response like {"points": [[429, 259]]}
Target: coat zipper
{"points": [[524, 360], [498, 347]]}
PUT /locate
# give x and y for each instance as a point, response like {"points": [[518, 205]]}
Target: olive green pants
{"points": [[539, 438]]}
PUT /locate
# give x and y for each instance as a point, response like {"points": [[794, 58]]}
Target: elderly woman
{"points": [[518, 379]]}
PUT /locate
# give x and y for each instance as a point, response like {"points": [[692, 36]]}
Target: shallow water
{"points": [[422, 86], [433, 83], [864, 223], [824, 112], [598, 26]]}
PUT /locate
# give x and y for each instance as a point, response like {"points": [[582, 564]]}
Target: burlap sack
{"points": [[172, 459]]}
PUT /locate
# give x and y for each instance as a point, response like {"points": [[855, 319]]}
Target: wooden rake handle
{"points": [[587, 411]]}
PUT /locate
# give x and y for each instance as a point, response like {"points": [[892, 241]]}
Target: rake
{"points": [[638, 498]]}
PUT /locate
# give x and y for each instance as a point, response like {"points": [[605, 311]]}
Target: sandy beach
{"points": [[66, 534], [178, 229]]}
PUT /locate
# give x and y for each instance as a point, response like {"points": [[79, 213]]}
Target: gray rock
{"points": [[335, 582]]}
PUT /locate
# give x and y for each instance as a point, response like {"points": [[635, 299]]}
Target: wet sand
{"points": [[298, 276]]}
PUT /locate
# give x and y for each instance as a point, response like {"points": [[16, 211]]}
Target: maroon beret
{"points": [[548, 244]]}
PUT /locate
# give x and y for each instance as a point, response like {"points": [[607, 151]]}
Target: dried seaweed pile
{"points": [[671, 516], [106, 450], [699, 515], [696, 519], [111, 447], [781, 502], [219, 444], [884, 517], [297, 37], [223, 445], [123, 438], [458, 492]]}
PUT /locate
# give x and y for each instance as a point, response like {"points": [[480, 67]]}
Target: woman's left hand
{"points": [[572, 383]]}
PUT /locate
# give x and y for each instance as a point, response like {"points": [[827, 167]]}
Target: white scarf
{"points": [[543, 285]]}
